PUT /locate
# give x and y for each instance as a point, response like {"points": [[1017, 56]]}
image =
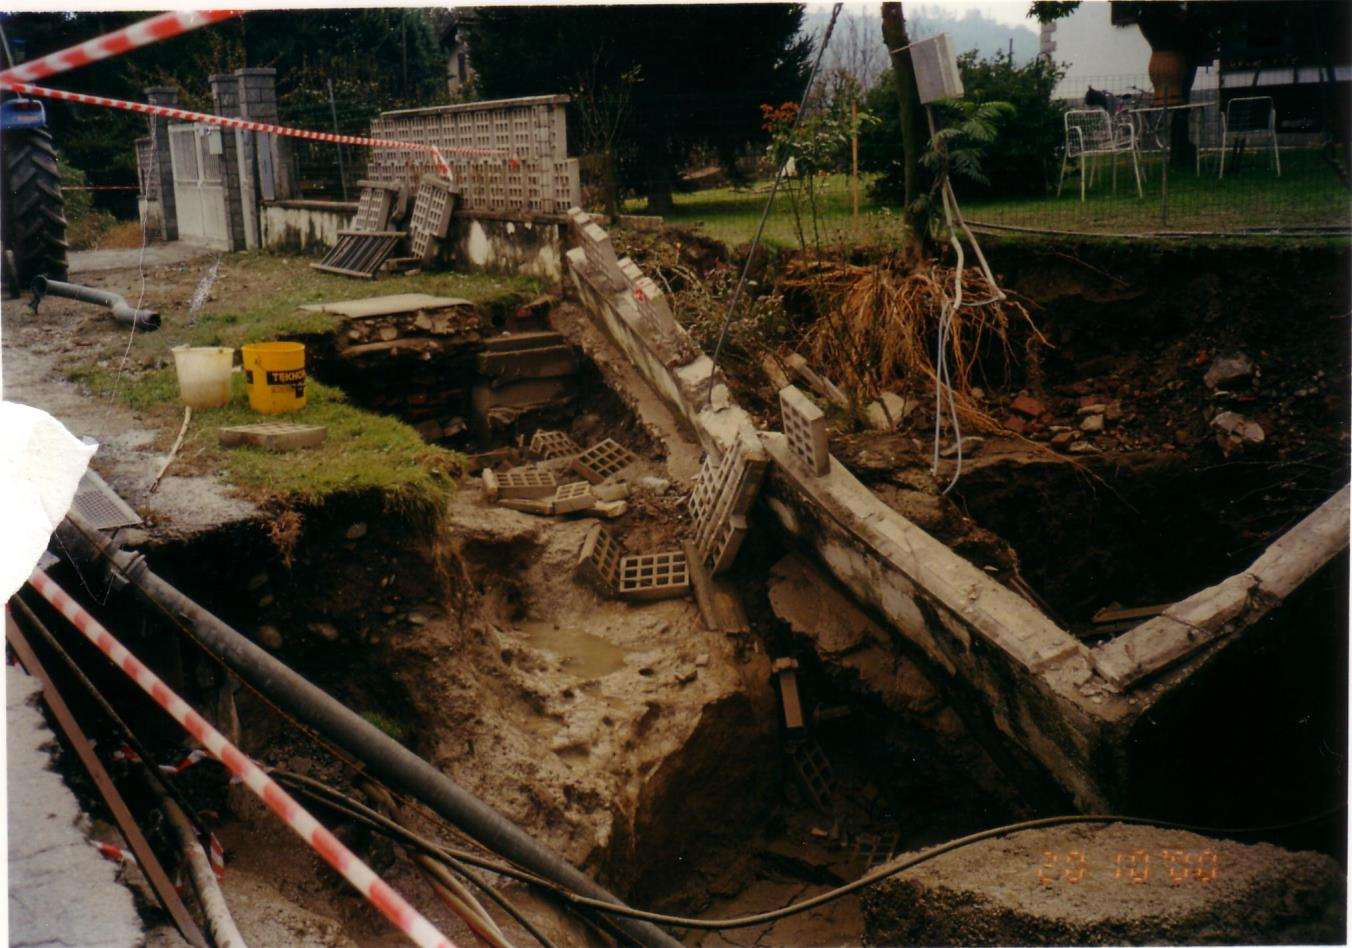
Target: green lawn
{"points": [[1308, 194]]}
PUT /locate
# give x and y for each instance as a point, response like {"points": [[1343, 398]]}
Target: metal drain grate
{"points": [[97, 503]]}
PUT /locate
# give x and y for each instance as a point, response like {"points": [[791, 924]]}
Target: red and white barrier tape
{"points": [[390, 903], [143, 33], [170, 112]]}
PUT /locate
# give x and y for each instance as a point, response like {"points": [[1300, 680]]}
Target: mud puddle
{"points": [[581, 654]]}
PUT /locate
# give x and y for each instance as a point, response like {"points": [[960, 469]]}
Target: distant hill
{"points": [[972, 30]]}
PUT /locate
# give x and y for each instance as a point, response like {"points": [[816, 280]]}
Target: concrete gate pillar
{"points": [[161, 165], [225, 102], [258, 101]]}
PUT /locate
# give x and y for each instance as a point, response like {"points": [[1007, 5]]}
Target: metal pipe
{"points": [[144, 319], [387, 758], [224, 933]]}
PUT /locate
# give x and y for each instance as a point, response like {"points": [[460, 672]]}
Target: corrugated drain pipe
{"points": [[385, 757]]}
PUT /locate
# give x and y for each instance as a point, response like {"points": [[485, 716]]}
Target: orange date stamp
{"points": [[1135, 867]]}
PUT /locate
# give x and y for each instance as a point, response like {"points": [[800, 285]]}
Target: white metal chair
{"points": [[1254, 116], [1091, 133]]}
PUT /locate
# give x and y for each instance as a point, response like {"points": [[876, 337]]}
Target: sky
{"points": [[1009, 12]]}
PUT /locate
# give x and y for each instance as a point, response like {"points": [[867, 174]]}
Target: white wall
{"points": [[1098, 53]]}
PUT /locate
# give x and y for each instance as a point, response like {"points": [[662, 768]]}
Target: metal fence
{"points": [[1290, 180]]}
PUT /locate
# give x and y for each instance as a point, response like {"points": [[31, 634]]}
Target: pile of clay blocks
{"points": [[539, 489], [641, 577], [724, 492]]}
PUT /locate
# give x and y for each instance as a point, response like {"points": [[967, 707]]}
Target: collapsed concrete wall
{"points": [[1056, 702]]}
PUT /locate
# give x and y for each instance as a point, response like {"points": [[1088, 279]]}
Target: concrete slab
{"points": [[61, 891], [1111, 884], [386, 305]]}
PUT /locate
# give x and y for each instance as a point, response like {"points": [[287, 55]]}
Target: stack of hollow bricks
{"points": [[533, 175], [537, 490]]}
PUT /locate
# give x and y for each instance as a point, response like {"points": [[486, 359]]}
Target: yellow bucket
{"points": [[275, 375]]}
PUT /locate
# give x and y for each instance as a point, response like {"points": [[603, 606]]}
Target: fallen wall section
{"points": [[1066, 708]]}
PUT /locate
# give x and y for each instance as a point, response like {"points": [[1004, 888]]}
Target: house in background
{"points": [[1297, 52], [1095, 52], [456, 30]]}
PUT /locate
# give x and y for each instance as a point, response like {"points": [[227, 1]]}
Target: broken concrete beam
{"points": [[512, 342], [652, 576], [544, 508], [529, 393], [553, 444], [570, 498], [610, 509], [611, 492], [818, 383], [805, 427], [514, 365], [599, 559], [770, 366], [273, 435], [603, 460], [1188, 625], [786, 677], [702, 584], [491, 486], [527, 483]]}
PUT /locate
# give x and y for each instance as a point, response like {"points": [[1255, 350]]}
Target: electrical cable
{"points": [[460, 899], [354, 809], [348, 806], [769, 203]]}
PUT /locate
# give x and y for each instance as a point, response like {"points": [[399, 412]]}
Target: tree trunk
{"points": [[610, 182], [914, 132]]}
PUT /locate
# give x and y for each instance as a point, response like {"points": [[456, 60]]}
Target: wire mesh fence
{"points": [[1229, 160], [322, 169]]}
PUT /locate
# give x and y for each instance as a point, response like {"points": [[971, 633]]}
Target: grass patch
{"points": [[258, 299], [1308, 194]]}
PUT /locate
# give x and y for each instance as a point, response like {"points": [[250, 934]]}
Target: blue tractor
{"points": [[32, 208]]}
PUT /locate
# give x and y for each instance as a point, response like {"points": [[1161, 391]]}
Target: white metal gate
{"points": [[199, 185]]}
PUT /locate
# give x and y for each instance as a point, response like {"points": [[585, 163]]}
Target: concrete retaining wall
{"points": [[310, 226], [508, 245]]}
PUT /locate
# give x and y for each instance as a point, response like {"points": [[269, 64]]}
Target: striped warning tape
{"points": [[142, 33], [390, 903], [246, 124]]}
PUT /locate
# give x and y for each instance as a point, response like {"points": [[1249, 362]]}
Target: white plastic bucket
{"points": [[203, 375]]}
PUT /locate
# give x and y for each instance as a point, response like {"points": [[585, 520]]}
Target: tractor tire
{"points": [[34, 208]]}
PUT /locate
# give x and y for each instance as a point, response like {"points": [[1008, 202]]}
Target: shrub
{"points": [[84, 223], [1022, 159]]}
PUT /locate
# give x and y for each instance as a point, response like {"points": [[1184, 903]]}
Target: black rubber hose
{"points": [[143, 319], [386, 758]]}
